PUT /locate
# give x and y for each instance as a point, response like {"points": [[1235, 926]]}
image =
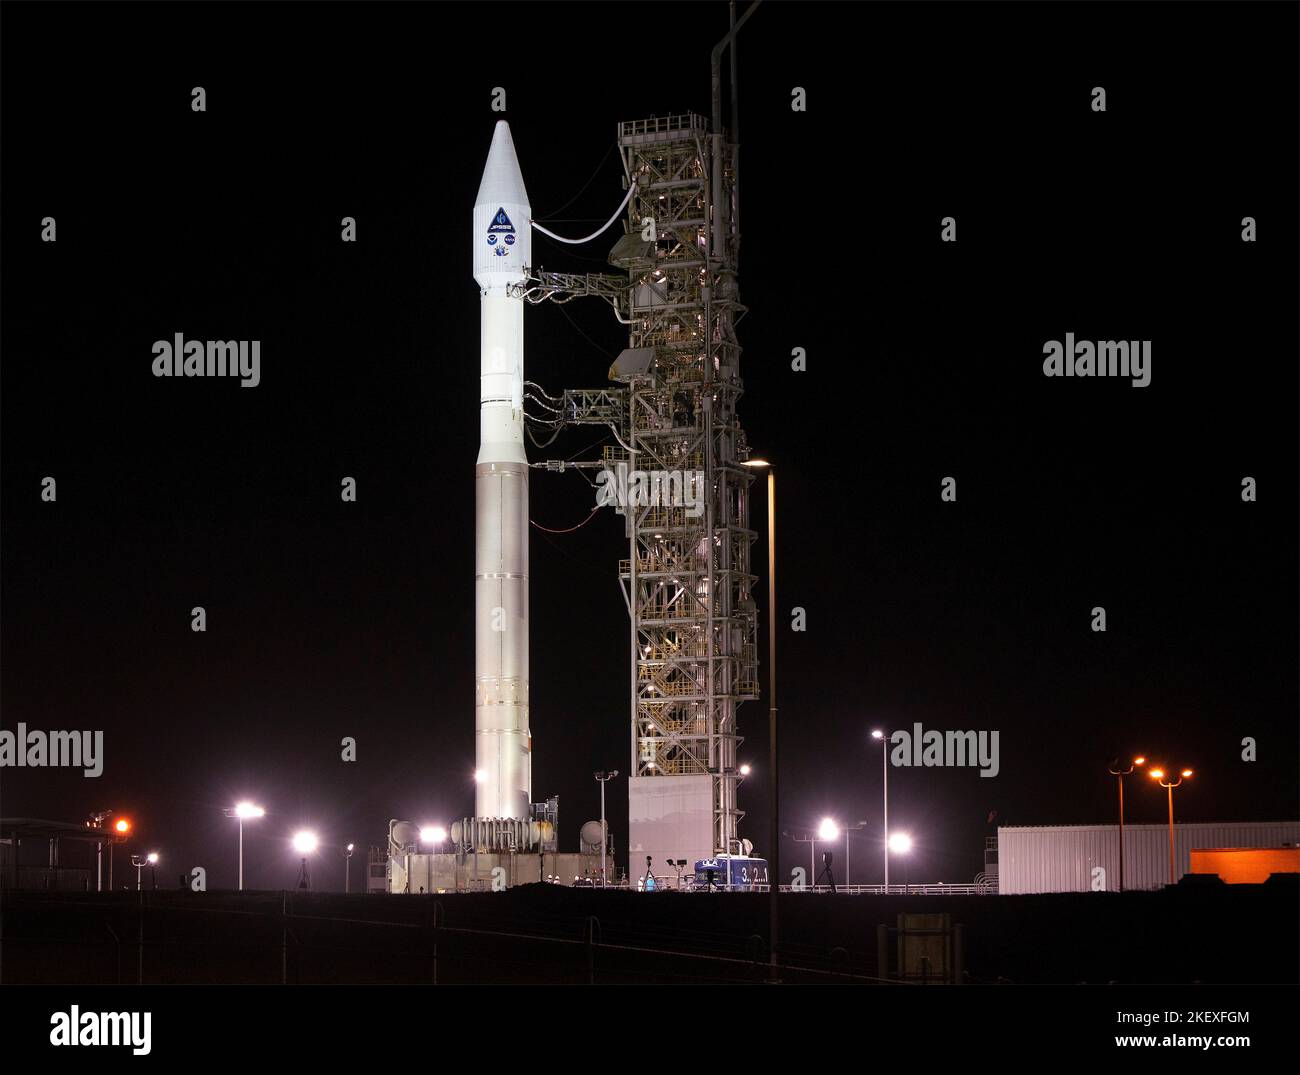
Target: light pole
{"points": [[244, 811], [811, 838], [883, 738], [848, 831], [1159, 776], [121, 827], [603, 778], [305, 843], [347, 869], [901, 844], [829, 832], [139, 862], [96, 821], [774, 829], [1119, 775]]}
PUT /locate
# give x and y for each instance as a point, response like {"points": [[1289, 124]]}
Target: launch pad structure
{"points": [[686, 580], [682, 486]]}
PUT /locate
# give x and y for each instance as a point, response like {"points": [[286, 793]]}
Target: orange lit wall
{"points": [[1246, 865]]}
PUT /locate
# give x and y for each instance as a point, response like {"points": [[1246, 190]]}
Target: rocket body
{"points": [[502, 248]]}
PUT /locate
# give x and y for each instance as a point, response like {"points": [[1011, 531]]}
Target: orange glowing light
{"points": [[1139, 761], [1187, 772], [122, 825], [1156, 774]]}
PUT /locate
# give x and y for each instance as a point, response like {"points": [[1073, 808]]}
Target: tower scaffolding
{"points": [[687, 580]]}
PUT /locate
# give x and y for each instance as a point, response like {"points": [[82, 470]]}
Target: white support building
{"points": [[1085, 858]]}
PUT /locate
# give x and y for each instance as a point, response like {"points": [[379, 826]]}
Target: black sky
{"points": [[328, 619]]}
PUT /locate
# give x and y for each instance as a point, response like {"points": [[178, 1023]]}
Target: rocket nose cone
{"points": [[502, 180]]}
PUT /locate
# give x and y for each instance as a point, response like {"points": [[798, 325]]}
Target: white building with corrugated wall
{"points": [[1085, 858]]}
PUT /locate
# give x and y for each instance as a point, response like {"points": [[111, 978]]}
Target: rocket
{"points": [[502, 248]]}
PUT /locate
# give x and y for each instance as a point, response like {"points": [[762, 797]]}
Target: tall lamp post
{"points": [[848, 831], [810, 838], [96, 821], [121, 827], [347, 869], [139, 862], [883, 739], [305, 843], [603, 778], [1159, 775], [828, 832], [774, 830], [1119, 775], [244, 811], [901, 844]]}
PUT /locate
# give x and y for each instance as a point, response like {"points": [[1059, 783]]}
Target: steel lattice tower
{"points": [[687, 580]]}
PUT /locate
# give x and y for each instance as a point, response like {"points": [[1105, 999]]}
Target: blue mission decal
{"points": [[501, 234]]}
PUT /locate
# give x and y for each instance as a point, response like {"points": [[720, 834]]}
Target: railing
{"points": [[688, 121], [899, 890], [312, 940], [669, 885], [54, 878]]}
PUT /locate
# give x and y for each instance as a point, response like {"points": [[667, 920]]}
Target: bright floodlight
{"points": [[305, 842], [900, 843], [759, 463], [350, 846], [429, 834], [1156, 774], [1139, 761], [877, 734], [123, 825], [480, 775], [439, 834], [1187, 772], [744, 770], [828, 830], [247, 810], [153, 858]]}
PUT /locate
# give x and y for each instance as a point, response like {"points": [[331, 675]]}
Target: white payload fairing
{"points": [[502, 248]]}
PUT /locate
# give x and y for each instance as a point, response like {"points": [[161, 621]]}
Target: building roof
{"points": [[35, 828]]}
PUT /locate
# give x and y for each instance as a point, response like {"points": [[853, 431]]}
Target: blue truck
{"points": [[730, 873]]}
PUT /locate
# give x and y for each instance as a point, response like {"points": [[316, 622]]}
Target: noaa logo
{"points": [[501, 234]]}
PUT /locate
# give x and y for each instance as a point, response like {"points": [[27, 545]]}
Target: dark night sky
{"points": [[328, 619]]}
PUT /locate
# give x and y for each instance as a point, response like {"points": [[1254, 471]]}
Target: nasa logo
{"points": [[501, 234]]}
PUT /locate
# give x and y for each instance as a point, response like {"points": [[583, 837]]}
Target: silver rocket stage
{"points": [[502, 249]]}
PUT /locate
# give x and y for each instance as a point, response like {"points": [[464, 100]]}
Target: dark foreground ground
{"points": [[550, 934]]}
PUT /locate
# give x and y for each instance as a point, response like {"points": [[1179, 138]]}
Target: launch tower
{"points": [[687, 577], [686, 580]]}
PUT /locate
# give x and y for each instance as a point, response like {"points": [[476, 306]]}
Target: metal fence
{"points": [[170, 943], [932, 889]]}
